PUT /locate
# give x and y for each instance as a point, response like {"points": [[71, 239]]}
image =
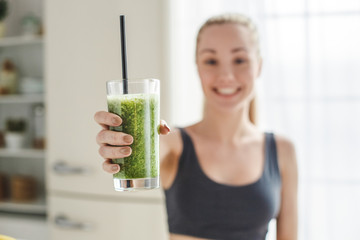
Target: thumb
{"points": [[164, 129]]}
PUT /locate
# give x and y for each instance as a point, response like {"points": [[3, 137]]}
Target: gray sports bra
{"points": [[200, 207]]}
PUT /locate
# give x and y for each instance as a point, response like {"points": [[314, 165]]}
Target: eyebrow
{"points": [[239, 49], [207, 50]]}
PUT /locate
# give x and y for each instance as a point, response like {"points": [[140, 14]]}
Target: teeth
{"points": [[226, 91]]}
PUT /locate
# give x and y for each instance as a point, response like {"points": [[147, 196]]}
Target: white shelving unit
{"points": [[17, 98], [24, 219], [19, 41], [22, 153], [26, 52], [37, 207]]}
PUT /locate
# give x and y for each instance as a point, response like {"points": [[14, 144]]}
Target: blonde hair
{"points": [[246, 22], [235, 18]]}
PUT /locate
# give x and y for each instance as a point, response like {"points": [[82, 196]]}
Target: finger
{"points": [[110, 167], [114, 152], [113, 138], [107, 119], [164, 128]]}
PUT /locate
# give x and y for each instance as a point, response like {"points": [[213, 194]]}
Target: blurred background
{"points": [[55, 57]]}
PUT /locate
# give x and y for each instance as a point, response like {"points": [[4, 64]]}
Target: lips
{"points": [[227, 91]]}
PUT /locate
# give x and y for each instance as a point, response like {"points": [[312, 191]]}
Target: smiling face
{"points": [[228, 64]]}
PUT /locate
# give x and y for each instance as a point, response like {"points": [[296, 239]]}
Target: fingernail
{"points": [[167, 127], [115, 168], [128, 138], [115, 121], [125, 150]]}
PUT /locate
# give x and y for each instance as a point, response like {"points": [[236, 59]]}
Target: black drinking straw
{"points": [[123, 54]]}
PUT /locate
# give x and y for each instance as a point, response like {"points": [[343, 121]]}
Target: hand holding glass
{"points": [[140, 114]]}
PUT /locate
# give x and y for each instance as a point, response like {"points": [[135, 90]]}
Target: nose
{"points": [[226, 74]]}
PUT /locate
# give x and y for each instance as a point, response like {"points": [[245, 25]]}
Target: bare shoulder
{"points": [[287, 219], [286, 154]]}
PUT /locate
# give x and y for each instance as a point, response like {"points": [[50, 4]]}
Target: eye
{"points": [[210, 62], [239, 60]]}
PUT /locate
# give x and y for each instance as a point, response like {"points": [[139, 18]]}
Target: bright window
{"points": [[309, 91]]}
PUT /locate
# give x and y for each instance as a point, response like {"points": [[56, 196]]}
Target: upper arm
{"points": [[287, 220], [170, 150], [170, 144]]}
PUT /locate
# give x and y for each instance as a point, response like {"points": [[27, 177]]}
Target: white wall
{"points": [[93, 29]]}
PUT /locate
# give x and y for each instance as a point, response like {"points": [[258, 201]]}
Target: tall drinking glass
{"points": [[140, 112]]}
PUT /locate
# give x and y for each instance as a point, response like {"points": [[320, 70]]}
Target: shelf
{"points": [[22, 153], [22, 98], [36, 207], [19, 40]]}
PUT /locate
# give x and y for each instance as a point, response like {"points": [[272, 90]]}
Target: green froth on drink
{"points": [[140, 115]]}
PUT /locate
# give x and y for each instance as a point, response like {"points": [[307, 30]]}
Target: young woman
{"points": [[223, 177]]}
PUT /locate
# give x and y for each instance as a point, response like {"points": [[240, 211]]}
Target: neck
{"points": [[226, 126]]}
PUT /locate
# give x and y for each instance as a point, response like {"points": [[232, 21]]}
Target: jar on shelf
{"points": [[2, 139], [8, 78], [3, 186], [30, 25], [23, 188], [31, 85], [39, 127], [4, 9]]}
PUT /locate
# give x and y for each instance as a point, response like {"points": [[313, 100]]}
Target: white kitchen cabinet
{"points": [[82, 53], [87, 219]]}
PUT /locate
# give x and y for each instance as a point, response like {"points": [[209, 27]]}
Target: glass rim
{"points": [[134, 80]]}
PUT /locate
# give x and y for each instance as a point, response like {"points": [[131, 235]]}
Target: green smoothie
{"points": [[140, 115]]}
